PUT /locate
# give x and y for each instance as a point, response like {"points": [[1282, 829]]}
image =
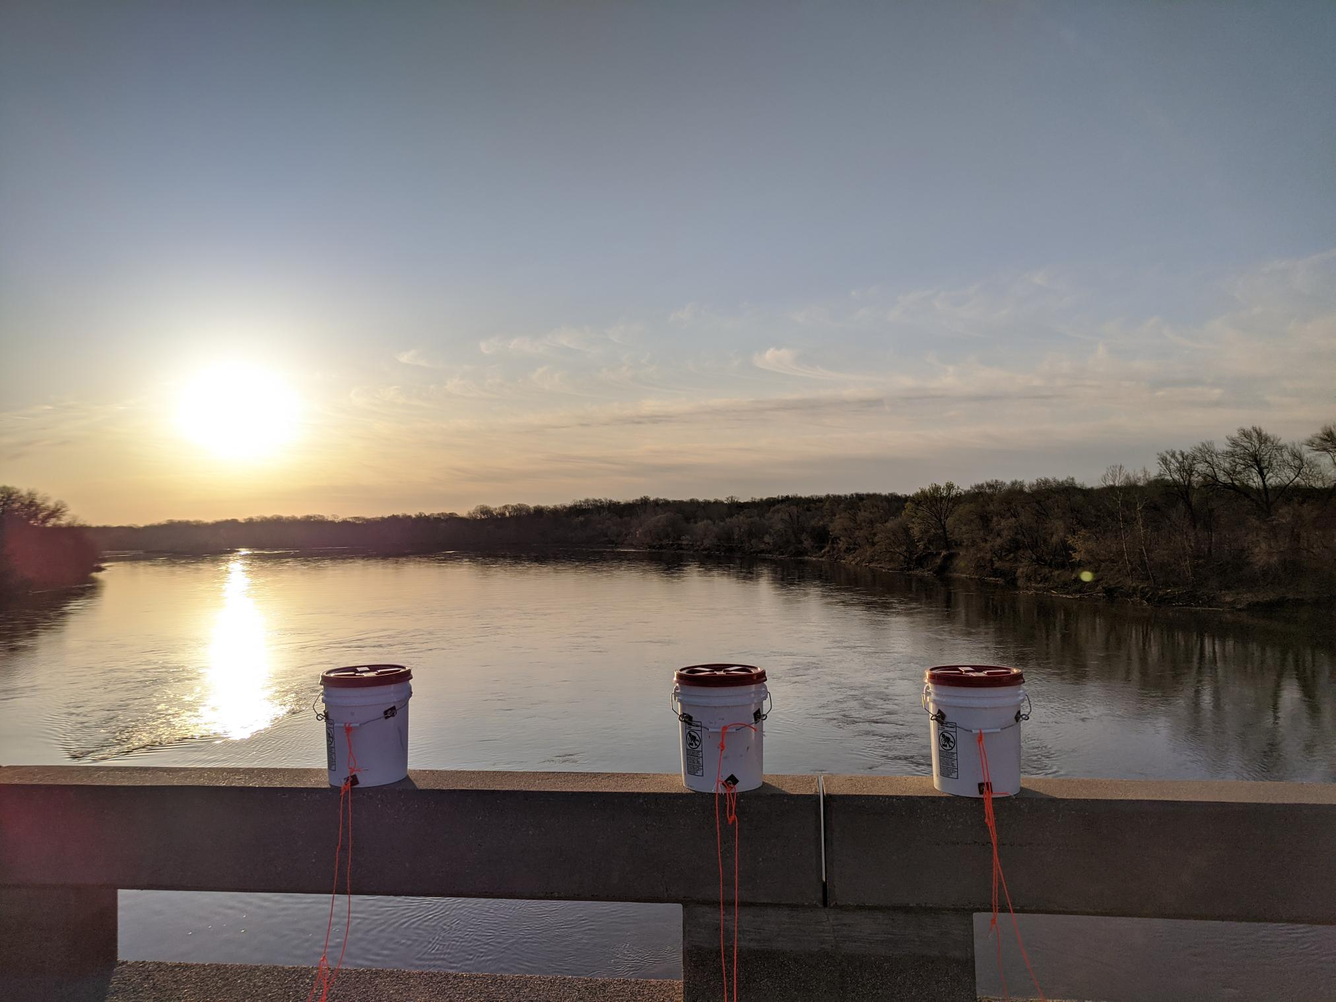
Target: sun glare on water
{"points": [[236, 702], [238, 412]]}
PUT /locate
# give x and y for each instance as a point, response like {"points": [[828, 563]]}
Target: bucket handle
{"points": [[940, 715], [386, 714], [675, 704], [758, 716]]}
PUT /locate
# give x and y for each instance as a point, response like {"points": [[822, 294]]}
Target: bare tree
{"points": [[1180, 470], [1255, 465], [930, 509], [1323, 442], [1117, 480], [32, 507]]}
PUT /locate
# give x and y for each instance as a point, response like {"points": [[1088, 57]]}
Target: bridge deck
{"points": [[141, 981]]}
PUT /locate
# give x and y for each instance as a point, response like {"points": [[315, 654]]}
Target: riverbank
{"points": [[1276, 603], [1140, 542]]}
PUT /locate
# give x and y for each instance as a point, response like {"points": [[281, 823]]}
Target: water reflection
{"points": [[237, 702], [23, 621]]}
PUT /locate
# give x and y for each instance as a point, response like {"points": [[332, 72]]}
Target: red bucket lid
{"points": [[974, 676], [719, 675], [360, 676]]}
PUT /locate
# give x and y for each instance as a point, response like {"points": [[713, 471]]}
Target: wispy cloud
{"points": [[416, 356], [785, 361], [1034, 304], [584, 340], [38, 429], [716, 410], [686, 315]]}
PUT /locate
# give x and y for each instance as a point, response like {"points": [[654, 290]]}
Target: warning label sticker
{"points": [[948, 765], [329, 745], [693, 752]]}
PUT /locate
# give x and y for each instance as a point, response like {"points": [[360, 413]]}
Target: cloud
{"points": [[1033, 304], [686, 315], [561, 340], [696, 314], [416, 356], [34, 431], [640, 374], [785, 362], [714, 411], [624, 332], [1073, 374]]}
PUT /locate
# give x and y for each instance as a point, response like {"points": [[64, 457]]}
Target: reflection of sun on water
{"points": [[236, 703]]}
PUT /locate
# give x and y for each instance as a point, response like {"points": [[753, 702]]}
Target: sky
{"points": [[347, 258]]}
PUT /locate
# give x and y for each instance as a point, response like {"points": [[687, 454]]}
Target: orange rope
{"points": [[729, 791], [324, 977], [990, 819]]}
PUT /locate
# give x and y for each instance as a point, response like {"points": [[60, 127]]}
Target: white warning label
{"points": [[948, 765], [693, 752]]}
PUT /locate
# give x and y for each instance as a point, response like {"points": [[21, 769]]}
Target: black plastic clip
{"points": [[391, 712], [731, 781], [685, 718]]}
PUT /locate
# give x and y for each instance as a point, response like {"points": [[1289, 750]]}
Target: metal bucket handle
{"points": [[675, 704], [940, 715]]}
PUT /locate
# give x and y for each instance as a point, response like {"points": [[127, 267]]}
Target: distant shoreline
{"points": [[1273, 606]]}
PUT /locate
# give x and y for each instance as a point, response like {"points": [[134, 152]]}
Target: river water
{"points": [[565, 663]]}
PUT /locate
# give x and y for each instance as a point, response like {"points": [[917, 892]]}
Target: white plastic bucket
{"points": [[708, 698], [367, 705], [964, 701]]}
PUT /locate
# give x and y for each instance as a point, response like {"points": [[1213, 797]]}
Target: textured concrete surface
{"points": [[1261, 852], [154, 982], [61, 930], [563, 835], [788, 954], [1194, 791]]}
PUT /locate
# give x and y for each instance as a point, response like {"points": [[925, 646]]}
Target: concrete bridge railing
{"points": [[857, 887]]}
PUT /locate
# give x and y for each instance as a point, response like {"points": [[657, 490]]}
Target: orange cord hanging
{"points": [[729, 790], [990, 819], [324, 977]]}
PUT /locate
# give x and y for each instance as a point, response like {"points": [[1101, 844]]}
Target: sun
{"points": [[238, 412]]}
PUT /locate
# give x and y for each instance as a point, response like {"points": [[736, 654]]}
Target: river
{"points": [[565, 662]]}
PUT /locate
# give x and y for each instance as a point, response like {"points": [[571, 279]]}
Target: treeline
{"points": [[41, 547], [1252, 520]]}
